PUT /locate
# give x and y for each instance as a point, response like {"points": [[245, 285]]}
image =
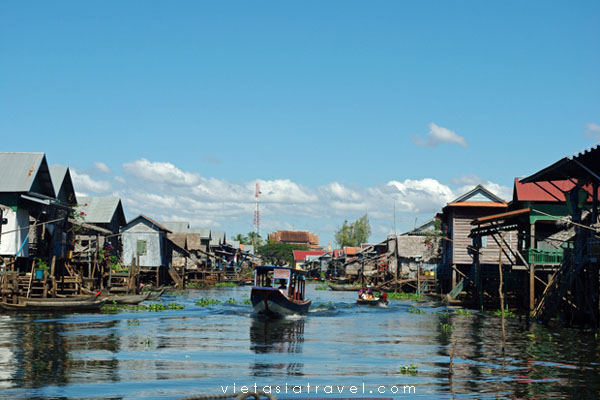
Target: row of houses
{"points": [[541, 244], [87, 240]]}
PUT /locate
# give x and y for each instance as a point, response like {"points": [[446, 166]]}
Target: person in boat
{"points": [[362, 293], [383, 297], [369, 294]]}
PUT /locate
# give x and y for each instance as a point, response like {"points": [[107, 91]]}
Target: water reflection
{"points": [[277, 336]]}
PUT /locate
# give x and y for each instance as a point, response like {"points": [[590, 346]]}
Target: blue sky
{"points": [[338, 108]]}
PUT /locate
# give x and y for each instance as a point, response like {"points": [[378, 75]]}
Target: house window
{"points": [[141, 247], [484, 241]]}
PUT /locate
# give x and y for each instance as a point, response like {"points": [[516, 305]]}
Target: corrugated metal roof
{"points": [[194, 242], [217, 238], [61, 180], [98, 210], [177, 226], [178, 238], [57, 174], [19, 171], [152, 222], [204, 233], [584, 164], [552, 191], [300, 255]]}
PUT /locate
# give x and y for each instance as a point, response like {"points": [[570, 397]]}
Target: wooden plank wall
{"points": [[462, 219]]}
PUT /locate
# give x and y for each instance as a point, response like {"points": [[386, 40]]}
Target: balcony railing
{"points": [[545, 256]]}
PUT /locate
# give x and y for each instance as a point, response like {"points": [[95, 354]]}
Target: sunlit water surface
{"points": [[383, 352]]}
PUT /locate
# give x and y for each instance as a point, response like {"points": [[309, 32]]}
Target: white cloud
{"points": [[100, 166], [592, 131], [161, 172], [84, 183], [436, 135], [284, 204]]}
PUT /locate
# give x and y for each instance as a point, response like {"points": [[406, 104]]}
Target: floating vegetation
{"points": [[415, 310], [246, 302], [133, 322], [507, 313], [225, 284], [158, 307], [231, 301], [404, 296], [462, 311], [146, 342], [206, 302], [411, 369], [322, 287], [446, 328], [195, 285]]}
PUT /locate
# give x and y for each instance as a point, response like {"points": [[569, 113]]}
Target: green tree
{"points": [[279, 253], [241, 238], [353, 234], [254, 238]]}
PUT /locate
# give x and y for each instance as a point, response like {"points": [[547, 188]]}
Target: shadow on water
{"points": [[523, 369], [285, 336]]}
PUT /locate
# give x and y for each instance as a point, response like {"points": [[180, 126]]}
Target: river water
{"points": [[400, 351]]}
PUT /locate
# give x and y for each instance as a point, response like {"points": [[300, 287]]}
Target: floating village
{"points": [[536, 254]]}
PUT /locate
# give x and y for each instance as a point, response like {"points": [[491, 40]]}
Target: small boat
{"points": [[279, 291], [126, 298], [155, 296], [55, 304], [343, 288], [373, 302]]}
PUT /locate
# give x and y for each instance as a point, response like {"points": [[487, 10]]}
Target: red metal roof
{"points": [[550, 191], [300, 255]]}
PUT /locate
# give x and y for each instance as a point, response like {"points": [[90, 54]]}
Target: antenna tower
{"points": [[256, 215]]}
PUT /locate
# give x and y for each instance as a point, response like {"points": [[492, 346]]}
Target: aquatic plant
{"points": [[247, 302], [231, 301], [195, 285], [146, 342], [322, 287], [225, 284], [415, 310], [446, 328], [507, 313], [411, 369], [133, 322], [206, 302], [158, 307], [404, 296]]}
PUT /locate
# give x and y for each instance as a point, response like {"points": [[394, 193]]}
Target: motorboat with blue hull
{"points": [[279, 291]]}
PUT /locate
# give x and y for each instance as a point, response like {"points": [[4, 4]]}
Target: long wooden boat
{"points": [[54, 304], [279, 291], [155, 296], [343, 288], [126, 298]]}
